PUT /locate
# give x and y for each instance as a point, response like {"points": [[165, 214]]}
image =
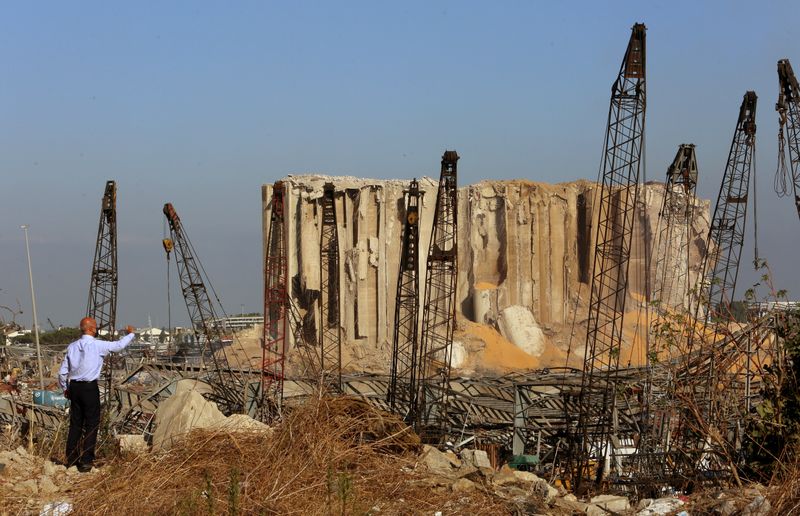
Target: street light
{"points": [[25, 227]]}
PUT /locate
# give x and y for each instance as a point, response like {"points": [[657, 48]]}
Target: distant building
{"points": [[764, 307], [239, 322], [18, 333]]}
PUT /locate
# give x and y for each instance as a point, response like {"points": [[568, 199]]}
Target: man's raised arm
{"points": [[122, 343]]}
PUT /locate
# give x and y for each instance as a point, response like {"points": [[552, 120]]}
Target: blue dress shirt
{"points": [[84, 358]]}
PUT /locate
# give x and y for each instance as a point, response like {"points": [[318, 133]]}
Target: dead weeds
{"points": [[330, 456]]}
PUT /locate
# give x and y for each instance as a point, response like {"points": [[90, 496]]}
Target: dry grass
{"points": [[784, 490], [330, 456]]}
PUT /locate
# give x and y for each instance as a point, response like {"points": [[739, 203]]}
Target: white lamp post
{"points": [[25, 227]]}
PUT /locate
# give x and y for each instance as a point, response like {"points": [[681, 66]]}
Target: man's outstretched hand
{"points": [[66, 393], [130, 329]]}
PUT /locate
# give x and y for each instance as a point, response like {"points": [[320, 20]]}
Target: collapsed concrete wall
{"points": [[521, 244]]}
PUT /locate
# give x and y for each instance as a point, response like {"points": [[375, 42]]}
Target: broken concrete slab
{"points": [[47, 486], [650, 507], [183, 412], [477, 458], [516, 323], [611, 503], [27, 487], [243, 423], [462, 485], [132, 444], [439, 463]]}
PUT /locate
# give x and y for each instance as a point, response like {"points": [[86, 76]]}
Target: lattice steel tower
{"points": [[402, 395], [788, 108], [718, 278], [102, 305], [439, 309], [726, 235], [330, 330], [672, 277], [276, 310], [618, 192], [230, 385]]}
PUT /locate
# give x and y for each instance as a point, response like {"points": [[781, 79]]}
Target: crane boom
{"points": [[671, 280], [788, 108], [717, 281], [439, 309], [276, 308], [726, 234], [102, 304], [330, 329], [405, 345], [624, 141], [205, 325]]}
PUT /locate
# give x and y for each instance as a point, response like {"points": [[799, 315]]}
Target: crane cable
{"points": [[754, 179], [782, 173], [166, 242]]}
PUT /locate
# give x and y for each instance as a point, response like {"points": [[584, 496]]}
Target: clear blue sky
{"points": [[199, 103]]}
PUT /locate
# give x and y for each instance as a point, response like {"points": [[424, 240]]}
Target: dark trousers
{"points": [[84, 420]]}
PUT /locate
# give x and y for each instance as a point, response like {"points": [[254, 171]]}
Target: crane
{"points": [[229, 385], [788, 108], [439, 308], [330, 331], [275, 308], [726, 234], [624, 141], [675, 216], [102, 304], [405, 344], [717, 281], [670, 288]]}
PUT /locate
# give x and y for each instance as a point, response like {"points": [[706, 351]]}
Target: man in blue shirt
{"points": [[78, 377]]}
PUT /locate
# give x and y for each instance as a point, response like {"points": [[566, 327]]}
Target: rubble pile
{"points": [[28, 482]]}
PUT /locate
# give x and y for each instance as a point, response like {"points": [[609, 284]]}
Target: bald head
{"points": [[88, 326]]}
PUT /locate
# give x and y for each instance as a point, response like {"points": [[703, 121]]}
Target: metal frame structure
{"points": [[230, 388], [671, 278], [330, 329], [726, 235], [102, 304], [439, 308], [276, 308], [788, 108], [717, 282], [675, 216], [405, 343], [624, 141]]}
